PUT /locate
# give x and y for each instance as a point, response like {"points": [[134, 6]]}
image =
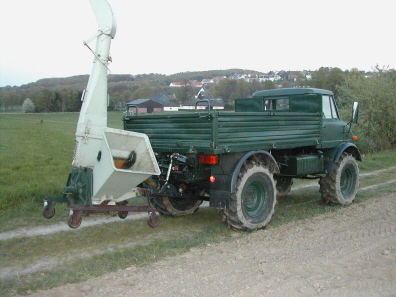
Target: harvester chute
{"points": [[108, 164]]}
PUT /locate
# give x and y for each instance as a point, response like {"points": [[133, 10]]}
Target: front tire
{"points": [[253, 204], [342, 185]]}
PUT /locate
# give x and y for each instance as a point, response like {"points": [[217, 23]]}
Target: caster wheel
{"points": [[122, 214], [74, 221], [153, 220], [49, 210]]}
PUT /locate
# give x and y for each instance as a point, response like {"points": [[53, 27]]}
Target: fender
{"points": [[334, 155]]}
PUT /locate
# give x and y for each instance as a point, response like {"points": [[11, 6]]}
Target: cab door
{"points": [[333, 129]]}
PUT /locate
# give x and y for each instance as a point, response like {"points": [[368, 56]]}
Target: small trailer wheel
{"points": [[122, 214], [49, 210], [74, 220], [153, 220]]}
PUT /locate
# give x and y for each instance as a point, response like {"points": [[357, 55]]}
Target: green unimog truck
{"points": [[242, 161]]}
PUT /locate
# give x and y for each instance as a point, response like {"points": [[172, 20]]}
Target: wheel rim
{"points": [[255, 199], [348, 181]]}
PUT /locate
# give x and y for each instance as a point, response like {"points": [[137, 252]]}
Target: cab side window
{"points": [[329, 107], [276, 104]]}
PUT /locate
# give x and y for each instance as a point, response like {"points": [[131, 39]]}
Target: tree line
{"points": [[376, 92], [63, 94], [47, 100]]}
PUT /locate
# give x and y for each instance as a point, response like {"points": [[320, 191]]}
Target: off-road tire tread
{"points": [[230, 215], [328, 184]]}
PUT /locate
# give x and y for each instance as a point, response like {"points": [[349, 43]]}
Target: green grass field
{"points": [[36, 155], [36, 152]]}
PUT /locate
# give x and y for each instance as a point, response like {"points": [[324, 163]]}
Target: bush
{"points": [[28, 106], [377, 115]]}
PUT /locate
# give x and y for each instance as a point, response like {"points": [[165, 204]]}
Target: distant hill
{"points": [[121, 87], [63, 94], [79, 82]]}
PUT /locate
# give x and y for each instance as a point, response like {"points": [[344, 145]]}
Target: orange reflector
{"points": [[355, 137], [212, 179], [209, 159]]}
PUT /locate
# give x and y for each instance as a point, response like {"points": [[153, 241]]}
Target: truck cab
{"points": [[304, 100]]}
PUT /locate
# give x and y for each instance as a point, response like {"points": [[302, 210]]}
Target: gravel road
{"points": [[351, 252]]}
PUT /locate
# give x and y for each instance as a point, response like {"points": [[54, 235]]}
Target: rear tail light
{"points": [[355, 137], [209, 159]]}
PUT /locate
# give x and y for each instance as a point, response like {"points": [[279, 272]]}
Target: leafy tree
{"points": [[8, 101], [231, 89], [328, 79], [319, 78], [302, 81], [225, 89], [334, 79], [351, 79], [255, 86], [144, 92], [28, 106], [286, 84], [269, 85], [186, 92], [242, 90], [377, 115], [47, 101], [68, 100]]}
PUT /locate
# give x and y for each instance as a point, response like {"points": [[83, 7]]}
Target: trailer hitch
{"points": [[165, 187]]}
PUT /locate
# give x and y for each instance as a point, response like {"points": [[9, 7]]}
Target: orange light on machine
{"points": [[209, 159], [355, 137]]}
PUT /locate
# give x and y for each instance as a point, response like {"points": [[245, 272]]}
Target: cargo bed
{"points": [[224, 132]]}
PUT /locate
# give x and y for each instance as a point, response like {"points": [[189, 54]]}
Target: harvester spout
{"points": [[105, 17], [108, 164], [93, 115]]}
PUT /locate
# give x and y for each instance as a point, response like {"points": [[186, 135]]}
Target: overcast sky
{"points": [[44, 38]]}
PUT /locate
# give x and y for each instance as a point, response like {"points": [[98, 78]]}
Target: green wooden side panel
{"points": [[254, 131], [174, 133], [227, 132]]}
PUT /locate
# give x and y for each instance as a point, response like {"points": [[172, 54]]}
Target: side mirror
{"points": [[355, 112]]}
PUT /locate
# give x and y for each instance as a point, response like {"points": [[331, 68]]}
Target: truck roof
{"points": [[291, 91]]}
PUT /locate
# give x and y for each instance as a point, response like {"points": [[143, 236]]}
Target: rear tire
{"points": [[253, 204], [175, 207], [283, 185], [342, 185]]}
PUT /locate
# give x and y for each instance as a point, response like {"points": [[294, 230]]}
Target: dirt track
{"points": [[351, 252]]}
